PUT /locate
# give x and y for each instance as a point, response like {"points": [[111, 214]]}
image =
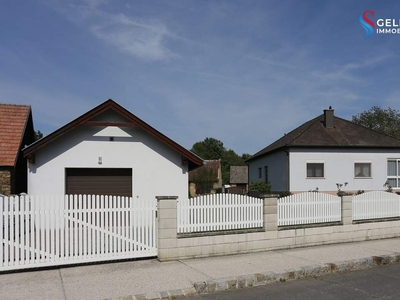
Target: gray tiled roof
{"points": [[344, 134]]}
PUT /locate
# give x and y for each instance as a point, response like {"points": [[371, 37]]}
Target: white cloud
{"points": [[145, 39]]}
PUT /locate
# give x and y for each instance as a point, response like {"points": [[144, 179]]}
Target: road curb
{"points": [[240, 282]]}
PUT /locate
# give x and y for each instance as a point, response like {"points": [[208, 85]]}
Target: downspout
{"points": [[287, 171]]}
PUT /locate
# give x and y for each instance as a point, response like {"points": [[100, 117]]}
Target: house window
{"points": [[362, 170], [266, 174], [315, 170], [393, 173], [259, 172]]}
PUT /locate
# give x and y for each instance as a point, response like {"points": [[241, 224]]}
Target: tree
{"points": [[230, 158], [210, 148], [383, 120], [38, 135], [204, 178]]}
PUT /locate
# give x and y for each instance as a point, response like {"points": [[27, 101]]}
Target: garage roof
{"points": [[87, 119]]}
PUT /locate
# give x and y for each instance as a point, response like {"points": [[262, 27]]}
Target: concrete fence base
{"points": [[172, 247]]}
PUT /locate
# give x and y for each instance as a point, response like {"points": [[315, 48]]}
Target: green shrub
{"points": [[285, 194], [262, 187]]}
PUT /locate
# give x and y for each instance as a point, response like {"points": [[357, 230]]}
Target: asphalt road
{"points": [[381, 282]]}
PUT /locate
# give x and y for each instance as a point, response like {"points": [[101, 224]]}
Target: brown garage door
{"points": [[116, 182]]}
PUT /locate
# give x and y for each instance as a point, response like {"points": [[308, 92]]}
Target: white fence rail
{"points": [[55, 230], [309, 208], [376, 205], [219, 212]]}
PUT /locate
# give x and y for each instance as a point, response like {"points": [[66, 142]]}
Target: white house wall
{"points": [[339, 168], [277, 170], [156, 168]]}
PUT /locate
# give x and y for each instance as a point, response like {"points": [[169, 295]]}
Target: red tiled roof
{"points": [[13, 119]]}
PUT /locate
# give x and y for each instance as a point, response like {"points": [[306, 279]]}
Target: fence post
{"points": [[167, 227], [270, 212], [347, 210]]}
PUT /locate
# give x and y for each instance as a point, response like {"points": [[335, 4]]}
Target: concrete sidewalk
{"points": [[151, 279]]}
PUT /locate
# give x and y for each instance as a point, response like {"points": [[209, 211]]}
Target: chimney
{"points": [[328, 117]]}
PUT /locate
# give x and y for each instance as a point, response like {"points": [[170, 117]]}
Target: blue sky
{"points": [[243, 72]]}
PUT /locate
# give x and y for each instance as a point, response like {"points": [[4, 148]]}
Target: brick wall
{"points": [[5, 181]]}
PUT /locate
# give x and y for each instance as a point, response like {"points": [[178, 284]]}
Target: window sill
{"points": [[362, 177], [315, 177]]}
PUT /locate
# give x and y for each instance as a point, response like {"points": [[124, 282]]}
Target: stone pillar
{"points": [[347, 210], [270, 212], [167, 227]]}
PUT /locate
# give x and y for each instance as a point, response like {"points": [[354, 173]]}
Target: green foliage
{"points": [[383, 120], [38, 135], [218, 190], [262, 187], [204, 178], [211, 148], [359, 192], [285, 194]]}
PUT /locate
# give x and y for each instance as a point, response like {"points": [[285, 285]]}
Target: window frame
{"points": [[363, 163], [266, 179], [314, 170], [259, 172], [397, 177]]}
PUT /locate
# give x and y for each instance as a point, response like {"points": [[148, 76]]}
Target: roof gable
{"points": [[13, 121], [344, 134], [121, 118]]}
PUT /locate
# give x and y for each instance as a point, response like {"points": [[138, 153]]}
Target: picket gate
{"points": [[39, 231]]}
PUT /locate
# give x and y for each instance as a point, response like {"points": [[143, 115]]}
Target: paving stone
{"points": [[189, 292], [250, 279], [231, 283], [164, 295], [152, 296], [200, 287], [211, 286], [222, 285], [176, 293], [241, 282]]}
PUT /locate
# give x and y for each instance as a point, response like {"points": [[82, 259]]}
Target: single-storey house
{"points": [[325, 151], [16, 131], [109, 151]]}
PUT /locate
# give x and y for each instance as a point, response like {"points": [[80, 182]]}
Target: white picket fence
{"points": [[55, 230], [309, 208], [376, 205], [219, 212]]}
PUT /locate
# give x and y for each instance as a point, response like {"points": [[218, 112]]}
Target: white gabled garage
{"points": [[108, 150]]}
